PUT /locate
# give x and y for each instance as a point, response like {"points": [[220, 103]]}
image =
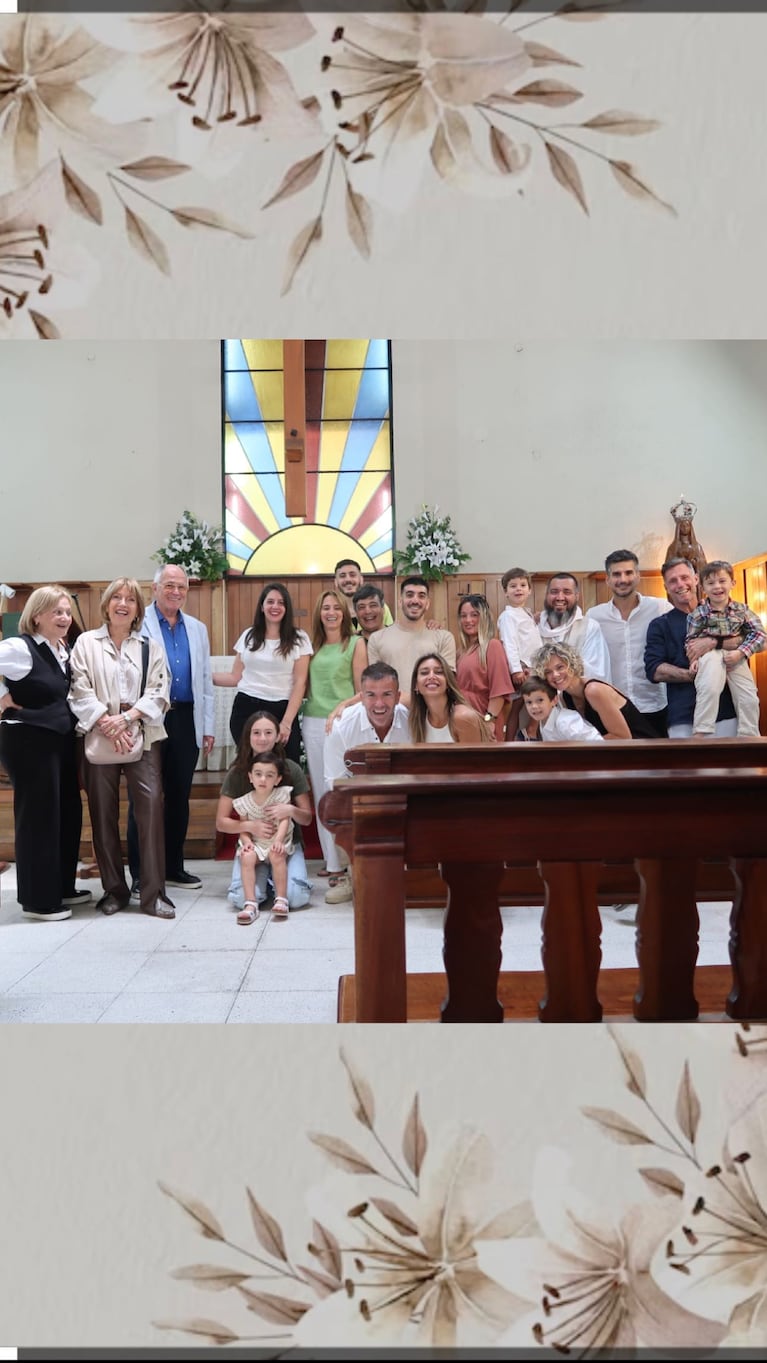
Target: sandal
{"points": [[248, 914], [281, 907]]}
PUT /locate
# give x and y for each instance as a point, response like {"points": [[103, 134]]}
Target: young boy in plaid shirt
{"points": [[739, 633]]}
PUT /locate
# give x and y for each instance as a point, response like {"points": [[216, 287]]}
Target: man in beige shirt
{"points": [[402, 644]]}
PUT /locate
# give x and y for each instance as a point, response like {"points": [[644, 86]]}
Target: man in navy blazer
{"points": [[188, 722]]}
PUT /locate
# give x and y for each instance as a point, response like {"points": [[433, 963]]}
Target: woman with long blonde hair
{"points": [[438, 710], [335, 674], [482, 672]]}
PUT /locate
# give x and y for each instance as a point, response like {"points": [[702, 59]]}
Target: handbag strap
{"points": [[144, 664]]}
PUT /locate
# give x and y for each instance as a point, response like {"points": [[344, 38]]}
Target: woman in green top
{"points": [[262, 734], [335, 673]]}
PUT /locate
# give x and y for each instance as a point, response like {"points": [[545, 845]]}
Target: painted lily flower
{"points": [[44, 109], [39, 273], [411, 1268], [721, 1250], [215, 70], [410, 88], [592, 1274]]}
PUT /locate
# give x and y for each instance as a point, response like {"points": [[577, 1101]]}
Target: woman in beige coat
{"points": [[106, 694]]}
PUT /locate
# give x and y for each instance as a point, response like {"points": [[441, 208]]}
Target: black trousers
{"points": [[47, 812], [245, 706], [179, 755]]}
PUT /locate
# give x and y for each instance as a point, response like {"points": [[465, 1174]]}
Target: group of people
{"points": [[634, 667]]}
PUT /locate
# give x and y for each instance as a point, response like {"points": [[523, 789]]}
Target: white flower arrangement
{"points": [[432, 549], [196, 547]]}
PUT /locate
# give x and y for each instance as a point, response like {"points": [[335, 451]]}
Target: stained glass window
{"points": [[348, 458]]}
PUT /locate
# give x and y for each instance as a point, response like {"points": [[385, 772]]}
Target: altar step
{"points": [[520, 992]]}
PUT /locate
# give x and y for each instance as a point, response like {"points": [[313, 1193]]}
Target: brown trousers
{"points": [[144, 780]]}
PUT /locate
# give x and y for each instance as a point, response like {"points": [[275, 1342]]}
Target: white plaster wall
{"points": [[545, 453], [552, 454]]}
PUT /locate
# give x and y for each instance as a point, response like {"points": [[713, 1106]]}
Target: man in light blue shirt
{"points": [[188, 722]]}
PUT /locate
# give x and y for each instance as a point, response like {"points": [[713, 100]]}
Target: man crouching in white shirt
{"points": [[377, 718]]}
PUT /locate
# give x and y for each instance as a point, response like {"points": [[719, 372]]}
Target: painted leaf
{"points": [[662, 1181], [359, 221], [155, 168], [80, 196], [553, 93], [636, 1081], [205, 217], [364, 1111], [299, 177], [342, 1155], [200, 1214], [621, 123], [441, 153], [267, 1230], [323, 1285], [540, 55], [617, 1127], [687, 1106], [567, 174], [45, 328], [327, 1250], [198, 1325], [628, 179], [395, 1215], [509, 156], [146, 241], [414, 1141], [278, 1310], [518, 1220], [210, 1276], [299, 250]]}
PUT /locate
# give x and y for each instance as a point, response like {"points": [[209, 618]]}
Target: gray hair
{"points": [[158, 575]]}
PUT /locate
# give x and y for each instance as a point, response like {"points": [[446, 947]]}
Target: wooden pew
{"points": [[663, 806]]}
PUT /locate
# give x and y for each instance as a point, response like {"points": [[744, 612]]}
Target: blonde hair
{"points": [[569, 655], [418, 709], [485, 627], [42, 599], [318, 629], [130, 585]]}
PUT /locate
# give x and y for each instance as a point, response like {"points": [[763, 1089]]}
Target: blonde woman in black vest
{"points": [[37, 747]]}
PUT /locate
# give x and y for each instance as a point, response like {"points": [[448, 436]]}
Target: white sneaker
{"points": [[341, 892], [47, 917], [78, 897]]}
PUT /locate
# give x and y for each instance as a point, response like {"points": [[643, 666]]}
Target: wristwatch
{"points": [[489, 718]]}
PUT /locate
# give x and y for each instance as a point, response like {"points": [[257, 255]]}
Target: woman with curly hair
{"points": [[438, 710], [603, 705]]}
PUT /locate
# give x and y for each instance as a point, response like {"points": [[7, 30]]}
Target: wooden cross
{"points": [[295, 427]]}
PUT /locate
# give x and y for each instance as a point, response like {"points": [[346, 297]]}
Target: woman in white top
{"points": [[438, 710], [107, 694], [271, 668], [37, 746]]}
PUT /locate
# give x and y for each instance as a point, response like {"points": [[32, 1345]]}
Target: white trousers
{"points": [[710, 680], [313, 733]]}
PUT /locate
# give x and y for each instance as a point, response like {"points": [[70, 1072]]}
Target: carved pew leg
{"points": [[570, 949], [378, 874], [472, 950], [748, 941], [666, 941]]}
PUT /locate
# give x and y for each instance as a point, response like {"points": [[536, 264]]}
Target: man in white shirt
{"points": [[624, 621], [562, 622], [402, 644], [377, 718]]}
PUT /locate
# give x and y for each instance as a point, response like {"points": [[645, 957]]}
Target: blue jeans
{"points": [[299, 887]]}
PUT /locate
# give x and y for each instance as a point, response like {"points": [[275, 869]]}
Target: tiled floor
{"points": [[203, 967]]}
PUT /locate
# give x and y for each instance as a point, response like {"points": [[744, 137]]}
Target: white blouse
{"points": [[266, 673], [16, 663]]}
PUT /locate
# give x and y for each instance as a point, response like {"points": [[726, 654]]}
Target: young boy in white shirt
{"points": [[550, 721], [519, 635]]}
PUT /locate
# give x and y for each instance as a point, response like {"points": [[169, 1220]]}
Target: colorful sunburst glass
{"points": [[348, 459]]}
